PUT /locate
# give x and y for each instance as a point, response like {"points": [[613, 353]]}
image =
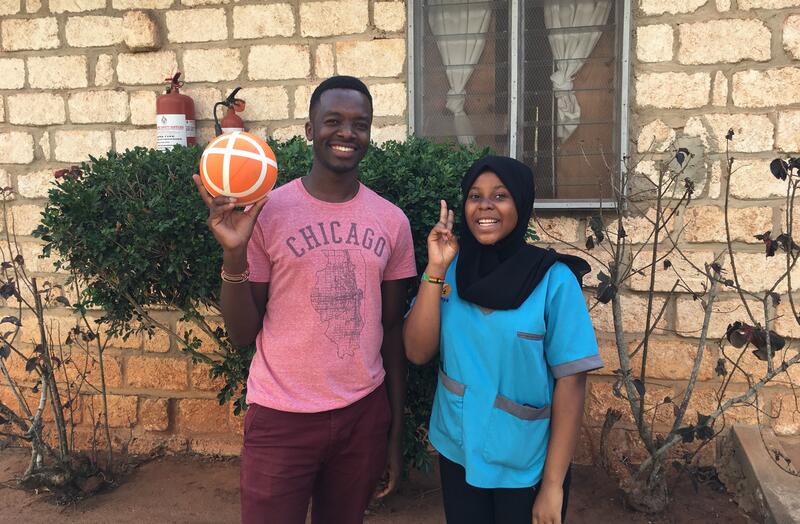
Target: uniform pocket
{"points": [[516, 434], [530, 336], [448, 409]]}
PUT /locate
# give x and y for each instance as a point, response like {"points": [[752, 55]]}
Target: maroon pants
{"points": [[335, 458]]}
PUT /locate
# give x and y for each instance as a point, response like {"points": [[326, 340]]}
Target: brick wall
{"points": [[80, 77], [700, 67]]}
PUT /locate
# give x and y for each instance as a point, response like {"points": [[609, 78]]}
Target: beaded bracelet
{"points": [[235, 278], [433, 280]]}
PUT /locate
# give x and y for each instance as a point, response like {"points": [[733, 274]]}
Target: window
{"points": [[539, 80]]}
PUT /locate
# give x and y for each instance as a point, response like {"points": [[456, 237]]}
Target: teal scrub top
{"points": [[491, 412]]}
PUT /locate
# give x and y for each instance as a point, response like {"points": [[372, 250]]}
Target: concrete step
{"points": [[770, 471], [791, 444]]}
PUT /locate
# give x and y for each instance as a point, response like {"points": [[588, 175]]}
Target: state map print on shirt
{"points": [[338, 298]]}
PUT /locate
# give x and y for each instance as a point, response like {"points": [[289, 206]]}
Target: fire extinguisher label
{"points": [[191, 129], [232, 129], [171, 130]]}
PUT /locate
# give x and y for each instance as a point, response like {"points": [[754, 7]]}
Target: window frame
{"points": [[621, 134]]}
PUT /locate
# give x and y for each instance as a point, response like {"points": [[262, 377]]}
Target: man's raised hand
{"points": [[231, 227]]}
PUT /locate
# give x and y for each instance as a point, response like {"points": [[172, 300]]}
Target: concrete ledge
{"points": [[777, 490]]}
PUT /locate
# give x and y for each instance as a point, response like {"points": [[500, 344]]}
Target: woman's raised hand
{"points": [[232, 228], [442, 244]]}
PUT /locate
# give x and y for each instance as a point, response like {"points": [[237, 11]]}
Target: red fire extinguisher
{"points": [[175, 123], [231, 121]]}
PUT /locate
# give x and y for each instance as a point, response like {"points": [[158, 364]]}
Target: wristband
{"points": [[235, 278], [433, 280]]}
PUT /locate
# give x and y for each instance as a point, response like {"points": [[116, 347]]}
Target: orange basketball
{"points": [[238, 165]]}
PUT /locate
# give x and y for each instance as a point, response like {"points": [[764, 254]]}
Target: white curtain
{"points": [[576, 46], [460, 31]]}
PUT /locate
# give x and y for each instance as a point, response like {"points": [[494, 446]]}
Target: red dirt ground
{"points": [[197, 490]]}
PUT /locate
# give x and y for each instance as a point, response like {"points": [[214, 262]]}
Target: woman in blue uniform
{"points": [[516, 342]]}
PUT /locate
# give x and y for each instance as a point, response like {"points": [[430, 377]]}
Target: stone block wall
{"points": [[700, 68], [80, 78]]}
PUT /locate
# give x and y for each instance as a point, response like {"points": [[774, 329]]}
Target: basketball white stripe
{"points": [[264, 165], [243, 154], [226, 164], [208, 180]]}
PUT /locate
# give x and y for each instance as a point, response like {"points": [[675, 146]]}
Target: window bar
{"points": [[513, 112], [411, 74], [553, 136], [624, 80]]}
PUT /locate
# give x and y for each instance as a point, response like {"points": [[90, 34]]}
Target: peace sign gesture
{"points": [[442, 244]]}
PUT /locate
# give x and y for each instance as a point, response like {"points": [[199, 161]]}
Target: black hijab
{"points": [[503, 275]]}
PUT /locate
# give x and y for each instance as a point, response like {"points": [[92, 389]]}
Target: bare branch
{"points": [[698, 359]]}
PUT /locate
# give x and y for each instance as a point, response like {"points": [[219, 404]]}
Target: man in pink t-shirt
{"points": [[317, 278]]}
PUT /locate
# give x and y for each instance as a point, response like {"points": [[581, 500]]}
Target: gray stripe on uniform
{"points": [[456, 388], [519, 410], [577, 366]]}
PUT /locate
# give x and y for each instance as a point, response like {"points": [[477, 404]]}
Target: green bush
{"points": [[133, 227]]}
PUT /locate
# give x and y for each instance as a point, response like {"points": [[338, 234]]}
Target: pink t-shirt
{"points": [[319, 345]]}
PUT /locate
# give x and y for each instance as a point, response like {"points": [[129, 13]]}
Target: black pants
{"points": [[465, 504]]}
